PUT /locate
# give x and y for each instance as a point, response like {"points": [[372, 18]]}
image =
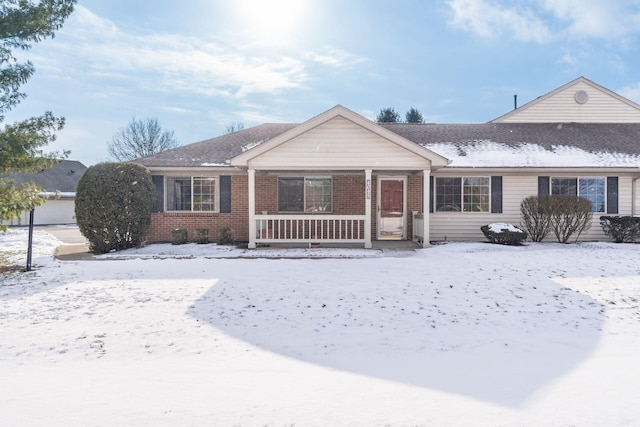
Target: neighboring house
{"points": [[340, 177], [59, 185]]}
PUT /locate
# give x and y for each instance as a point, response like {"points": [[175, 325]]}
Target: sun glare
{"points": [[272, 21]]}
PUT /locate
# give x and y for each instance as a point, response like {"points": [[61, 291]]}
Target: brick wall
{"points": [[163, 223], [348, 199]]}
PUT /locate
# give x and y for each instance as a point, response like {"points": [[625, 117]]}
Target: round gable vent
{"points": [[581, 97]]}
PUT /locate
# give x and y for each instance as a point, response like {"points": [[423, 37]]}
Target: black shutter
{"points": [[612, 194], [158, 184], [543, 185], [431, 195], [225, 194], [496, 194]]}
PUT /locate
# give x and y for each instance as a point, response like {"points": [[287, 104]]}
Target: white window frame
{"points": [[193, 179], [462, 194]]}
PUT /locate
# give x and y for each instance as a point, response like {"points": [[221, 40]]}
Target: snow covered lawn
{"points": [[458, 334]]}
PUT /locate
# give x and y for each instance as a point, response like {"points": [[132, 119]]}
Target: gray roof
{"points": [[590, 137], [216, 151], [462, 143], [63, 176]]}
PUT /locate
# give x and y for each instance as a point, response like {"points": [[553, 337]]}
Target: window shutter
{"points": [[225, 194], [431, 195], [612, 194], [158, 184], [543, 185], [496, 194]]}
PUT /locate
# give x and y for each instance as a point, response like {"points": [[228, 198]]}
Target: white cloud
{"points": [[92, 45], [335, 58], [490, 19], [596, 18], [631, 92], [544, 20]]}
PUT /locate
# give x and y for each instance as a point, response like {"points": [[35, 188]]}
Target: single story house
{"points": [[59, 184], [340, 177]]}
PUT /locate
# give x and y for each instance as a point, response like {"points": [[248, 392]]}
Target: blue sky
{"points": [[199, 65]]}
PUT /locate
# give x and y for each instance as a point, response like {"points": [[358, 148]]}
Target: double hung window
{"points": [[465, 194], [195, 194]]}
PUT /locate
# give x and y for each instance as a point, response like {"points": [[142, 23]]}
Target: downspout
{"points": [[634, 187]]}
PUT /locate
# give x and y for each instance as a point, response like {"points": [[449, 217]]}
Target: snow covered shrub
{"points": [[113, 205], [536, 217], [569, 215], [504, 234], [622, 229]]}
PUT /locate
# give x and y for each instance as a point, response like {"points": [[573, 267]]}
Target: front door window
{"points": [[392, 212]]}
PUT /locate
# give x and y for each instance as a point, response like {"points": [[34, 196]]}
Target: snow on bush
{"points": [[503, 233]]}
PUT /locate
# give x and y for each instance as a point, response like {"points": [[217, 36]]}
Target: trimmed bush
{"points": [[504, 234], [569, 215], [622, 229], [563, 214], [202, 236], [536, 217], [225, 236], [179, 236], [113, 205]]}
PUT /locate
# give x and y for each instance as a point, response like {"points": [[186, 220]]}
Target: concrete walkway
{"points": [[75, 246]]}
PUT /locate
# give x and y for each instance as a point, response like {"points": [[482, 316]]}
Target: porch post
{"points": [[426, 197], [367, 209], [252, 208]]}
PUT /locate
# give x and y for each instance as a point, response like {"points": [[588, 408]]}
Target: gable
{"points": [[579, 101], [339, 144], [339, 139]]}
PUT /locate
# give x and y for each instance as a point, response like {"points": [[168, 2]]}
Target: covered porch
{"points": [[359, 208], [338, 179]]}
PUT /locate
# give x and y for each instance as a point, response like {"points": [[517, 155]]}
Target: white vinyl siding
{"points": [[456, 227], [339, 144], [561, 107]]}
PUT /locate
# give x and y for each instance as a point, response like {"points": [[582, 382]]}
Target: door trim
{"points": [[381, 178]]}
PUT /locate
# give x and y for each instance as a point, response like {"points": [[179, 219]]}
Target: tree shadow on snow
{"points": [[498, 338]]}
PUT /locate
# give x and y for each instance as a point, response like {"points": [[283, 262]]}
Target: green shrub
{"points": [[179, 236], [622, 229], [504, 234], [113, 205], [225, 236], [202, 235]]}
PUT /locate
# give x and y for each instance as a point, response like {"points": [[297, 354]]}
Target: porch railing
{"points": [[418, 227], [310, 228]]}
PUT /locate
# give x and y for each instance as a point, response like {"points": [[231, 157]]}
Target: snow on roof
{"points": [[488, 153]]}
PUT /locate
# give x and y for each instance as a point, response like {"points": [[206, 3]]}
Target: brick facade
{"points": [[348, 199], [163, 223]]}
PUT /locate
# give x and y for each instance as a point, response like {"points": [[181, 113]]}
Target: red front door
{"points": [[391, 213]]}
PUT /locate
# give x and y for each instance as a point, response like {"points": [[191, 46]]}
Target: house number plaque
{"points": [[368, 189]]}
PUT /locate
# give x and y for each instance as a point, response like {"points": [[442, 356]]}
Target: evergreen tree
{"points": [[22, 23], [388, 115], [414, 116]]}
